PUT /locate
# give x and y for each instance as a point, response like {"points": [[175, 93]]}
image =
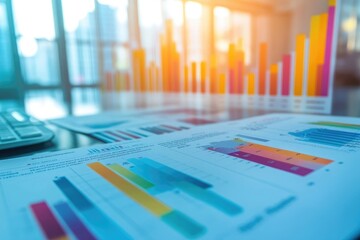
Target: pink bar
{"points": [[328, 52], [285, 91], [47, 221]]}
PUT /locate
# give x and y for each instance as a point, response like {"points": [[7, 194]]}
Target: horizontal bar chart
{"points": [[288, 161], [328, 137]]}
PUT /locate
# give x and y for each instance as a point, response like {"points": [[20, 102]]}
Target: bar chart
{"points": [[333, 138], [300, 81], [284, 160]]}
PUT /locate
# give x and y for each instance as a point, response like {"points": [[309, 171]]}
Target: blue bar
{"points": [[152, 130], [172, 173], [166, 179], [73, 222], [102, 138], [101, 224]]}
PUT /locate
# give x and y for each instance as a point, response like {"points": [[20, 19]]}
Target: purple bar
{"points": [[285, 91], [273, 163], [73, 222], [328, 52], [47, 221]]}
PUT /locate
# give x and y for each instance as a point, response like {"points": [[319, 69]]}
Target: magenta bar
{"points": [[286, 71], [47, 221], [328, 52], [291, 168]]}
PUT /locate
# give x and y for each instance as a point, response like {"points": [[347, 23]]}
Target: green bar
{"points": [[183, 224], [211, 198], [131, 176], [338, 124]]}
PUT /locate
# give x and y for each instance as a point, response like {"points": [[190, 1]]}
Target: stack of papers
{"points": [[278, 176]]}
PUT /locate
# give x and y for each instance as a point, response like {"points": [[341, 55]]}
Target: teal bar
{"points": [[183, 224], [211, 198]]}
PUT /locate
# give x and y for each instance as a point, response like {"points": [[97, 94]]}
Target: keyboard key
{"points": [[7, 138], [28, 132]]}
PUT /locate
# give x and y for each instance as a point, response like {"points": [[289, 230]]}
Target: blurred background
{"points": [[57, 55]]}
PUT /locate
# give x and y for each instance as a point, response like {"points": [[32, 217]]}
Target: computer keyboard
{"points": [[17, 129]]}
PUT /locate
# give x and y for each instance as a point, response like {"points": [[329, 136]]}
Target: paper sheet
{"points": [[277, 176]]}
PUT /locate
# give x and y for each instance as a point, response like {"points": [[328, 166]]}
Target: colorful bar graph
{"points": [[47, 221], [328, 137], [287, 161], [73, 222], [306, 73], [337, 125], [178, 221], [100, 224]]}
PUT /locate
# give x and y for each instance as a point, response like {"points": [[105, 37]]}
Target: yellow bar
{"points": [[222, 84], [157, 79], [193, 74], [313, 56], [332, 2], [186, 79], [150, 82], [251, 84], [299, 64], [136, 194], [135, 69]]}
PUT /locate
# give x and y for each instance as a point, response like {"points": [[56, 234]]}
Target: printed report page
{"points": [[278, 176]]}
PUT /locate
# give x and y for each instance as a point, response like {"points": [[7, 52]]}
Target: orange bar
{"points": [[232, 68], [222, 84], [203, 76], [142, 63], [213, 74], [313, 55], [251, 84], [193, 74], [263, 56], [186, 79], [118, 86], [273, 79], [135, 70], [150, 78], [299, 64]]}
